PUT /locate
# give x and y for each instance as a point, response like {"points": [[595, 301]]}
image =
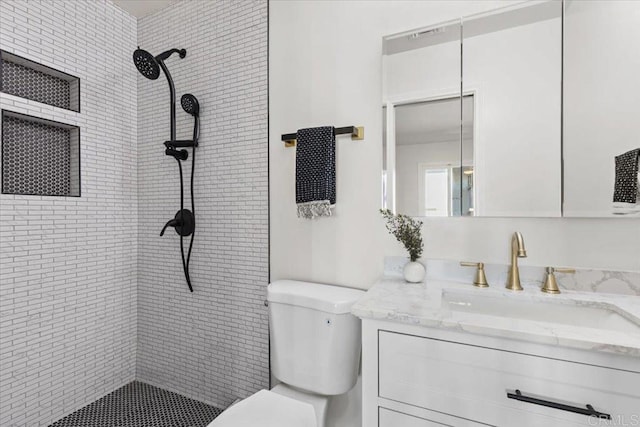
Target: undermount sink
{"points": [[564, 312]]}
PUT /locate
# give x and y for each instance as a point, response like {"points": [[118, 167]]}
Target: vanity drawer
{"points": [[393, 418], [472, 382]]}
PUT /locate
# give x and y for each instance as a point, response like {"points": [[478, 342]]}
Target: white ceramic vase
{"points": [[414, 272]]}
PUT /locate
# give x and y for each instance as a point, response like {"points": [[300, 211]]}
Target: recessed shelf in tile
{"points": [[30, 80], [39, 157]]}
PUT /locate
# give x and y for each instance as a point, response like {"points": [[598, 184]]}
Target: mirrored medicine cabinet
{"points": [[515, 112]]}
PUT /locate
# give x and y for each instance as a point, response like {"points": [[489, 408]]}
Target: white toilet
{"points": [[315, 354]]}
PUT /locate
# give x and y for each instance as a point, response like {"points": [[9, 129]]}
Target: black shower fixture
{"points": [[146, 64], [177, 154], [149, 65], [184, 221], [190, 104]]}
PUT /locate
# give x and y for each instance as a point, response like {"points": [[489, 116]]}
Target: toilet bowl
{"points": [[315, 353], [267, 409], [281, 406]]}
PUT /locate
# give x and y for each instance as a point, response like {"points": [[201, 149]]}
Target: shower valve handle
{"points": [[171, 223], [184, 223]]}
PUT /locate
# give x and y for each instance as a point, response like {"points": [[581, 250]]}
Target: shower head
{"points": [[190, 104], [146, 64]]}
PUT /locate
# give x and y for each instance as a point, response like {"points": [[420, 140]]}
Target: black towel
{"points": [[626, 186], [315, 171]]}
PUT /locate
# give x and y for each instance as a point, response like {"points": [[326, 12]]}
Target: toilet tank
{"points": [[315, 340]]}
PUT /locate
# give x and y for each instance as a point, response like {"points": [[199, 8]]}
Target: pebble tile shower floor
{"points": [[141, 405]]}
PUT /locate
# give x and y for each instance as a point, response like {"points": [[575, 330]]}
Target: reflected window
{"points": [[433, 167], [435, 191]]}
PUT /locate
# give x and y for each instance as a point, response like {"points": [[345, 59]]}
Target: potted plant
{"points": [[407, 231]]}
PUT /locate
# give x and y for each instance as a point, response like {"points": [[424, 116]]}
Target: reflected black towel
{"points": [[315, 171], [626, 186]]}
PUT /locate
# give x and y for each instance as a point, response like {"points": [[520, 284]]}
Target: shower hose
{"points": [[186, 261]]}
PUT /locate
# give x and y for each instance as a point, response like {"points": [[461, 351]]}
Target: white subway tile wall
{"points": [[212, 344], [68, 266]]}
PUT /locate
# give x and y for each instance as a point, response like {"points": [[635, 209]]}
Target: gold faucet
{"points": [[517, 251]]}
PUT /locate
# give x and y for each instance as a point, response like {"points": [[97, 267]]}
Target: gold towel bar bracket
{"points": [[356, 132]]}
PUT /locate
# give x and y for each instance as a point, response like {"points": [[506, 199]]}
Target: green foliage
{"points": [[406, 230]]}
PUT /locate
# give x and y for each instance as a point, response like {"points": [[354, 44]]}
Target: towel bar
{"points": [[356, 132]]}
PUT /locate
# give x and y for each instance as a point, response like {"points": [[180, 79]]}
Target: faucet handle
{"points": [[480, 279], [563, 270], [550, 285]]}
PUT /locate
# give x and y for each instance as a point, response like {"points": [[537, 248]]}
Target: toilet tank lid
{"points": [[327, 298]]}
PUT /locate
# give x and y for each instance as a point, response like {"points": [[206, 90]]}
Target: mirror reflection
{"points": [[473, 115], [429, 179], [601, 109], [421, 96]]}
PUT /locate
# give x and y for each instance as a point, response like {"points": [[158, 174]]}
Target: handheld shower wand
{"points": [[191, 106], [184, 220]]}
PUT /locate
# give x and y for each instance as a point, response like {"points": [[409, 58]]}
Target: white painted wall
{"points": [[68, 265], [602, 98], [326, 68]]}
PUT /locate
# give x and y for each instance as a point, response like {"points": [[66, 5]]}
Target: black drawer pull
{"points": [[587, 410]]}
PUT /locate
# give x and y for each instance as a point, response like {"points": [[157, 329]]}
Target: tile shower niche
{"points": [[30, 80], [39, 157]]}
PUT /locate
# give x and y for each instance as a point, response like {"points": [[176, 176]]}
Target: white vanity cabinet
{"points": [[418, 376]]}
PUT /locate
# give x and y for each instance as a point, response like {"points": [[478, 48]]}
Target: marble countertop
{"points": [[426, 304]]}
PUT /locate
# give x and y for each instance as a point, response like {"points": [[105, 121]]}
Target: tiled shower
{"points": [[91, 297], [213, 344]]}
